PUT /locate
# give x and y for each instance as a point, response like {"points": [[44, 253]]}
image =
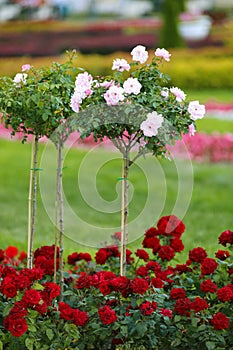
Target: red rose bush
{"points": [[159, 304]]}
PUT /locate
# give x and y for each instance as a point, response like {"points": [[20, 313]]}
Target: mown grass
{"points": [[206, 209]]}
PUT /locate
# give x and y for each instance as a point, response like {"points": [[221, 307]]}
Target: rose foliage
{"points": [[135, 105], [159, 304]]}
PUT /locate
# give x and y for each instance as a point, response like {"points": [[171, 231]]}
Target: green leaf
{"points": [[6, 310], [38, 286], [29, 343], [49, 333], [210, 345], [32, 328], [202, 327], [1, 345]]}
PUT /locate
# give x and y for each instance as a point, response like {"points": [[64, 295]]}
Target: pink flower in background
{"points": [[83, 82], [139, 54], [192, 130], [163, 53], [151, 125], [76, 100], [114, 95], [120, 65], [164, 93], [196, 110], [107, 84], [20, 78], [180, 95], [132, 86], [26, 67]]}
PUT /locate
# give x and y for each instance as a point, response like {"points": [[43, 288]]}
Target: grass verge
{"points": [[93, 177]]}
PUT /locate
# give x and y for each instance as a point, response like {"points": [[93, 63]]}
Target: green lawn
{"points": [[92, 193]]}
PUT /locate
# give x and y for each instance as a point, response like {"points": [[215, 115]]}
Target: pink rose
{"points": [[132, 86], [139, 54], [83, 82], [114, 95], [26, 67], [151, 125], [120, 65], [20, 78], [180, 95], [163, 53], [196, 110], [192, 130]]}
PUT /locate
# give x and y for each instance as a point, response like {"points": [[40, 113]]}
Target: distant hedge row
{"points": [[189, 69]]}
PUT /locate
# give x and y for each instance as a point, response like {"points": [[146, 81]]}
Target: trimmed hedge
{"points": [[189, 69]]}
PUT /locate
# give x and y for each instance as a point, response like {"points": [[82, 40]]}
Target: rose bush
{"points": [[159, 304]]}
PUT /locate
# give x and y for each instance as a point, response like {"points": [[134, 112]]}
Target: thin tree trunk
{"points": [[32, 200], [124, 211], [61, 219], [56, 230]]}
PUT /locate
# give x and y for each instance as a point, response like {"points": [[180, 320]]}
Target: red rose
{"points": [[22, 256], [107, 315], [151, 232], [182, 268], [83, 281], [139, 285], [142, 271], [104, 287], [154, 266], [199, 304], [157, 282], [208, 266], [8, 287], [72, 258], [129, 258], [151, 242], [183, 306], [44, 258], [170, 225], [101, 256], [80, 318], [16, 325], [147, 308], [225, 294], [117, 236], [32, 297], [142, 254], [2, 255], [197, 254], [85, 256], [66, 312], [166, 312], [220, 321], [166, 253], [177, 245], [52, 290], [226, 237], [222, 254], [11, 252], [208, 286], [120, 283], [177, 293], [19, 309]]}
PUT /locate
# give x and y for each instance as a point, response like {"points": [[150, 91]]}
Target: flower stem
{"points": [[32, 200], [61, 219], [124, 211]]}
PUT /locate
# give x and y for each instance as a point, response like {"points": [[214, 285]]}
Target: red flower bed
{"points": [[103, 307]]}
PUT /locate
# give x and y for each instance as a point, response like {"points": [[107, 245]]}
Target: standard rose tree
{"points": [[137, 109]]}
